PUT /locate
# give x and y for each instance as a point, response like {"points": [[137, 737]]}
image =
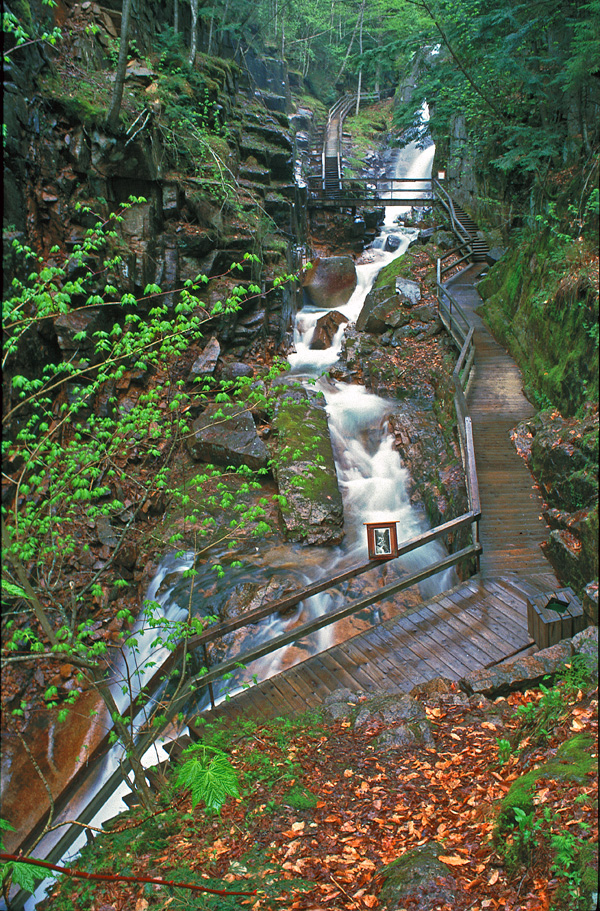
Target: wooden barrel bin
{"points": [[553, 616]]}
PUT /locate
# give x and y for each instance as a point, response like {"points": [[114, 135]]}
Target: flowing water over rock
{"points": [[372, 481], [370, 475]]}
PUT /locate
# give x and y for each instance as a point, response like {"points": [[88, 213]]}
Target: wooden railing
{"points": [[389, 190], [457, 324], [443, 197]]}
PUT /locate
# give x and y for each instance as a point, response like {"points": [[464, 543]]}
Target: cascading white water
{"points": [[372, 481]]}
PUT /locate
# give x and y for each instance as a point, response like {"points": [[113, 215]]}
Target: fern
{"points": [[209, 775]]}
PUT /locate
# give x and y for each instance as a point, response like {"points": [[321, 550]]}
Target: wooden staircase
{"points": [[331, 178], [478, 244]]}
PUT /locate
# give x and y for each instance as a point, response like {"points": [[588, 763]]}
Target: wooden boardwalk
{"points": [[512, 528], [478, 623]]}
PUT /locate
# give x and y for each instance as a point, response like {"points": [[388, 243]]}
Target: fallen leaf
{"points": [[453, 860], [494, 878]]}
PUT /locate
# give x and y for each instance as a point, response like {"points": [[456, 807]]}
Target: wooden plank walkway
{"points": [[477, 624], [512, 528]]}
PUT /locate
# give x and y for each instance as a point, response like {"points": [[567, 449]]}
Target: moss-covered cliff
{"points": [[542, 304]]}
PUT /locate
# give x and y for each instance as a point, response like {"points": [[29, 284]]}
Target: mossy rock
{"points": [[420, 875], [401, 267], [533, 301], [573, 761], [304, 467]]}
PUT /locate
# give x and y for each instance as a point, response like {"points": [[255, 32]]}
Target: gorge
{"points": [[241, 198]]}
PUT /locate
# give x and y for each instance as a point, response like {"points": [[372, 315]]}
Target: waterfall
{"points": [[371, 477], [372, 481]]}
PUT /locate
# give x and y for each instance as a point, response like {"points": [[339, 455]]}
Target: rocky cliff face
{"points": [[215, 166]]}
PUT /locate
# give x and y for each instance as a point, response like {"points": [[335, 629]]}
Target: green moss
{"points": [[300, 799], [304, 448], [401, 267], [573, 761], [418, 868], [81, 101], [539, 295]]}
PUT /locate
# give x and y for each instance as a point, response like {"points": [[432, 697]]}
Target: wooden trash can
{"points": [[552, 616]]}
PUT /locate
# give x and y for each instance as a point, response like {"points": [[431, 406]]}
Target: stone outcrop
{"points": [[436, 481], [404, 719], [330, 282], [420, 875], [398, 313], [226, 435], [381, 310], [242, 599], [325, 330], [562, 453], [533, 669], [304, 468]]}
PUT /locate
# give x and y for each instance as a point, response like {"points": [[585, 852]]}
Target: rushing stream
{"points": [[372, 481]]}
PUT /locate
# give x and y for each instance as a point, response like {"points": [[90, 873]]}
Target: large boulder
{"points": [[331, 281], [325, 330], [409, 291], [403, 720], [226, 435], [392, 242], [305, 468], [380, 311], [420, 877]]}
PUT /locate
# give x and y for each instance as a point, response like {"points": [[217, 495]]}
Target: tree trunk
{"points": [[176, 16], [33, 599], [112, 119], [360, 46], [194, 32], [343, 66], [126, 738], [210, 35], [222, 33]]}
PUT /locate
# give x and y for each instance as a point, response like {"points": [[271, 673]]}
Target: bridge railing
{"points": [[388, 190]]}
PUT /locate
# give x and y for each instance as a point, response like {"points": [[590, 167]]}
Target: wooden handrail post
{"points": [[210, 685]]}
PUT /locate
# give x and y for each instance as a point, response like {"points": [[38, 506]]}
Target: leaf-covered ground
{"points": [[324, 810]]}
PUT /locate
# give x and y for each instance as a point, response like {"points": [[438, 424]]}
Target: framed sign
{"points": [[382, 540]]}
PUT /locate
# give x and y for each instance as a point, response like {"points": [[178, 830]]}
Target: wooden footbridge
{"points": [[333, 191]]}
